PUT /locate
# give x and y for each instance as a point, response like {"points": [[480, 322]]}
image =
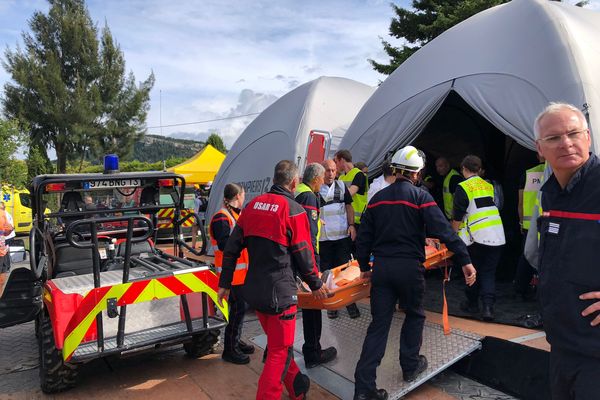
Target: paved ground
{"points": [[168, 374]]}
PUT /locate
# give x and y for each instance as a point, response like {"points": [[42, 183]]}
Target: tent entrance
{"points": [[457, 130], [347, 335]]}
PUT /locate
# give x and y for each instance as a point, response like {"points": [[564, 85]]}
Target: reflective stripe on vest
{"points": [[359, 201], [333, 212], [481, 224], [303, 188], [448, 197], [241, 265], [533, 183]]}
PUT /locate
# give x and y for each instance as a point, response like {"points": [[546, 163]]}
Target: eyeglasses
{"points": [[554, 140]]}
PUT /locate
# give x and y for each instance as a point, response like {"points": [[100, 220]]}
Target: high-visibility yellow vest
{"points": [[481, 224], [533, 183], [241, 264], [448, 197], [359, 201], [303, 188]]}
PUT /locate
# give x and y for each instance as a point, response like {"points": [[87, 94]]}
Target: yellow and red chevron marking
{"points": [[168, 213], [95, 301]]}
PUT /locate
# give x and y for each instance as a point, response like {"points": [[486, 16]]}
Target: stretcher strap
{"points": [[445, 320]]}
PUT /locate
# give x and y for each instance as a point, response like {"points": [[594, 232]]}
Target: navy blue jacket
{"points": [[396, 222], [569, 264]]}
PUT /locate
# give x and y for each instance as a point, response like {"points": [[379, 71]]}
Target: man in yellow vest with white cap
{"points": [[477, 221]]}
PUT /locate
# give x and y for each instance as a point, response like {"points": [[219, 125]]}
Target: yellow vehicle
{"points": [[18, 205]]}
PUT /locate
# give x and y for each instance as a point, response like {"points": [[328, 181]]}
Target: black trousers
{"points": [[334, 253], [233, 330], [573, 376], [5, 263], [485, 260], [312, 323], [524, 271], [393, 279]]}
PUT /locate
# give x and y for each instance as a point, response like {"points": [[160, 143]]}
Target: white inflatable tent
{"points": [[322, 108], [499, 67], [477, 88]]}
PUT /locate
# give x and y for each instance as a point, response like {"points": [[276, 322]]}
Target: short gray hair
{"points": [[312, 171], [554, 108], [285, 172]]}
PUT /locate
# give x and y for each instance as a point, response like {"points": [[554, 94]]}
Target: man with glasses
{"points": [[569, 231]]}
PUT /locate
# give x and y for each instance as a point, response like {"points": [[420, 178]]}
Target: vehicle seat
{"points": [[137, 248], [71, 261], [71, 202], [149, 196]]}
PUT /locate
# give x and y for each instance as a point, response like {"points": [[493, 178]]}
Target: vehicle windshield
{"points": [[65, 204]]}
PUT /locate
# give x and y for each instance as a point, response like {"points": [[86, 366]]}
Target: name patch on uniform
{"points": [[314, 215], [553, 228], [266, 206]]}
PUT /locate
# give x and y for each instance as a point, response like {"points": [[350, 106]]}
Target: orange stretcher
{"points": [[350, 288]]}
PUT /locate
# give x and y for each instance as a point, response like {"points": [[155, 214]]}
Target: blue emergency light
{"points": [[111, 164]]}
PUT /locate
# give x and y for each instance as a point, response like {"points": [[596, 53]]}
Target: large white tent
{"points": [[283, 131], [501, 66]]}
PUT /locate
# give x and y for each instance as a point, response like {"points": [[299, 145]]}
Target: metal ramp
{"points": [[347, 336]]}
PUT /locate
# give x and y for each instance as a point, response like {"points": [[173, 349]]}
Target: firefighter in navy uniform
{"points": [[569, 230], [307, 195], [393, 229], [235, 350], [275, 231]]}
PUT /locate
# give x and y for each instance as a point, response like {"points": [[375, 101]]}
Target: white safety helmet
{"points": [[408, 158]]}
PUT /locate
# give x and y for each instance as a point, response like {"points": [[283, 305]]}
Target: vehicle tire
{"points": [[202, 343], [55, 374]]}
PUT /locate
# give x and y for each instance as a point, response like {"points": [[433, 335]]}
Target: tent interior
{"points": [[457, 130]]}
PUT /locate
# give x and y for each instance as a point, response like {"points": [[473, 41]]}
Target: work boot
{"points": [[488, 312], [235, 358], [326, 355], [412, 375], [301, 386], [377, 394], [332, 314], [245, 347], [353, 311], [469, 307]]}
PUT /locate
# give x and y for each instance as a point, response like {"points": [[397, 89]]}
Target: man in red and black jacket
{"points": [[274, 229]]}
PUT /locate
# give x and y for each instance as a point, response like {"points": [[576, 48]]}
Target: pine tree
{"points": [[424, 22], [70, 88]]}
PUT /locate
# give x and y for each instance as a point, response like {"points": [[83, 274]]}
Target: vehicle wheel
{"points": [[55, 374], [202, 343]]}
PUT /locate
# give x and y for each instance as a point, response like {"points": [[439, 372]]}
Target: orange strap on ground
{"points": [[445, 320]]}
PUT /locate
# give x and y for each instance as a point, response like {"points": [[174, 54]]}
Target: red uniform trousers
{"points": [[279, 365]]}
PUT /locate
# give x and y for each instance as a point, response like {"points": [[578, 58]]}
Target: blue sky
{"points": [[215, 59]]}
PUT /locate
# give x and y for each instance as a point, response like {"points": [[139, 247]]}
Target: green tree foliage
{"points": [[424, 22], [127, 166], [38, 162], [71, 88], [11, 138], [215, 141], [153, 148]]}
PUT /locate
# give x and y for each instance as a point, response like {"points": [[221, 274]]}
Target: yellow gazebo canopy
{"points": [[201, 168]]}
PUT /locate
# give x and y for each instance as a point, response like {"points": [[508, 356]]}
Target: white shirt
{"points": [[378, 184]]}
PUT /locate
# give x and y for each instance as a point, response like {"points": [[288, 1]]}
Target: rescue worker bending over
{"points": [[393, 229], [478, 223], [307, 195], [234, 350], [274, 229]]}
